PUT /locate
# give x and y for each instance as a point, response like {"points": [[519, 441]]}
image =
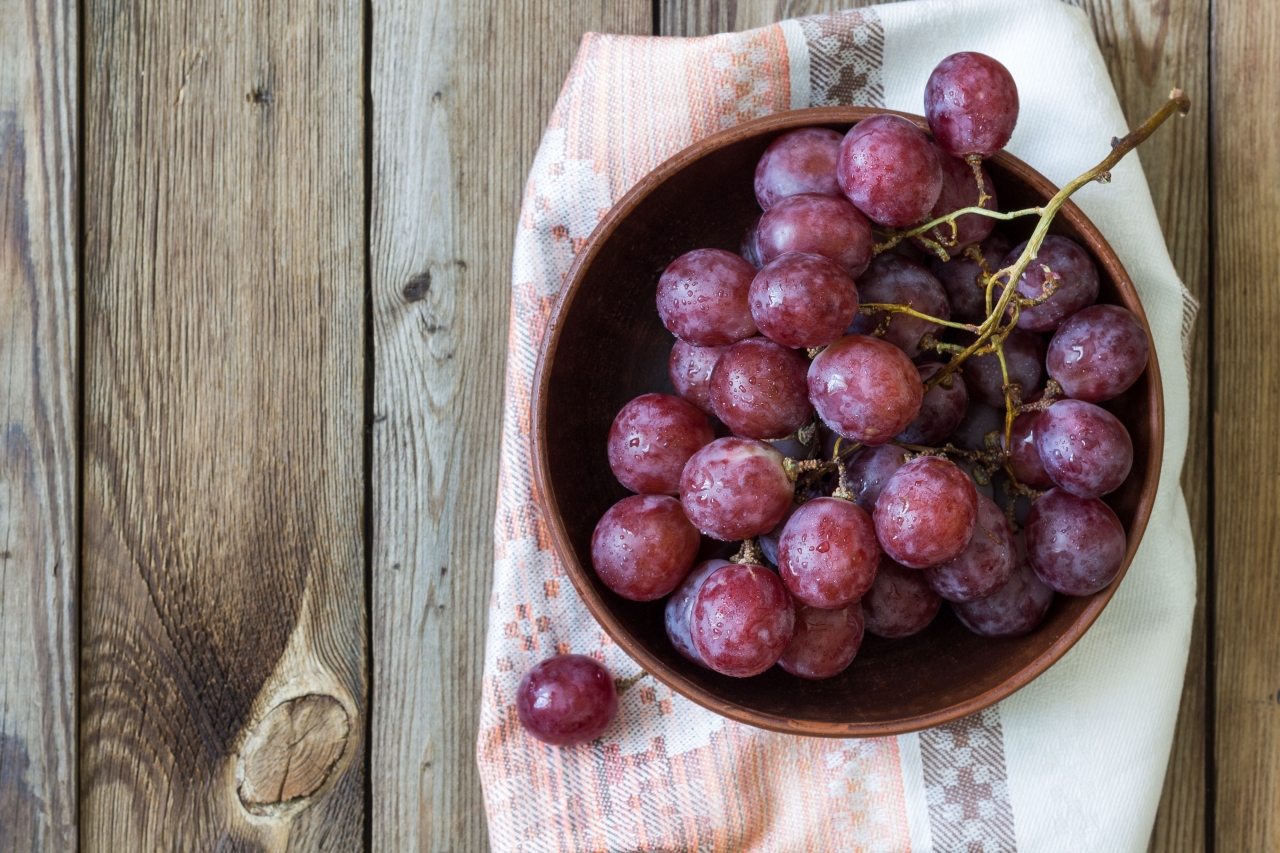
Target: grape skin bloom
{"points": [[651, 440], [742, 620], [1084, 448], [644, 546], [926, 513], [735, 488], [1076, 545], [971, 103], [827, 554], [567, 699], [802, 300], [889, 170], [824, 642], [801, 161], [1098, 353], [865, 389], [900, 602], [678, 614], [702, 297], [759, 389]]}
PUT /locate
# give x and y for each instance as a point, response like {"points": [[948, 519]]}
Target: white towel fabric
{"points": [[1075, 761]]}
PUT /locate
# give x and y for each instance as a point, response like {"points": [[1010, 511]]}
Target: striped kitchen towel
{"points": [[1075, 761]]}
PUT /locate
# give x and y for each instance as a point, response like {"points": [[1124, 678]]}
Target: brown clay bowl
{"points": [[606, 345]]}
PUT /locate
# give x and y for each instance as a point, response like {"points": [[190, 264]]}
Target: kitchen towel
{"points": [[1073, 762]]}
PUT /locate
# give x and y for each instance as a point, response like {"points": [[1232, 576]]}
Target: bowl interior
{"points": [[607, 345]]}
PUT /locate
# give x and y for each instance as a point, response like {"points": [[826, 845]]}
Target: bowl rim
{"points": [[778, 123]]}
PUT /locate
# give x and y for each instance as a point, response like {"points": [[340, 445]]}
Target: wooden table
{"points": [[253, 302]]}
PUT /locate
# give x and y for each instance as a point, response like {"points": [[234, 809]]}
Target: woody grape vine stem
{"points": [[1002, 316]]}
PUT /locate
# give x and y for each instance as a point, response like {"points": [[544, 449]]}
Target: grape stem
{"points": [[748, 552], [991, 327], [975, 163], [894, 238], [622, 685], [894, 308], [990, 335]]}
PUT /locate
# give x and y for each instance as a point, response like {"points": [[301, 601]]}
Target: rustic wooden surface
{"points": [[1246, 217], [38, 376], [223, 567], [461, 91], [229, 163]]}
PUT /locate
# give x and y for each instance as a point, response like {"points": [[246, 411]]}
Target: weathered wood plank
{"points": [[462, 90], [1151, 46], [38, 537], [222, 666], [1246, 268]]}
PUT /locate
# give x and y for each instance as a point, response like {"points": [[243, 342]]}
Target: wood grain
{"points": [[462, 90], [1246, 216], [223, 485], [38, 311], [1150, 47]]}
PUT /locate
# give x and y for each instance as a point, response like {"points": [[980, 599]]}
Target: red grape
{"points": [[819, 225], [900, 602], [985, 564], [679, 610], [926, 513], [979, 421], [1076, 545], [1011, 611], [1077, 282], [760, 389], [742, 620], [652, 438], [827, 554], [690, 370], [960, 190], [567, 699], [643, 546], [1024, 357], [702, 297], [1085, 449], [961, 278], [941, 410], [868, 471], [1024, 457], [802, 161], [971, 103], [865, 389], [824, 642], [892, 278], [1098, 353], [735, 488], [889, 170], [801, 300]]}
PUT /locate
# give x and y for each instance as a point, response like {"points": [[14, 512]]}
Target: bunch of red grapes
{"points": [[888, 415]]}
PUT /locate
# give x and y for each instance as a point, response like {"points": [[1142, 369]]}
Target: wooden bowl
{"points": [[606, 345]]}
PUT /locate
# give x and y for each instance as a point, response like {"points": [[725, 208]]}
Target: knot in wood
{"points": [[291, 754]]}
